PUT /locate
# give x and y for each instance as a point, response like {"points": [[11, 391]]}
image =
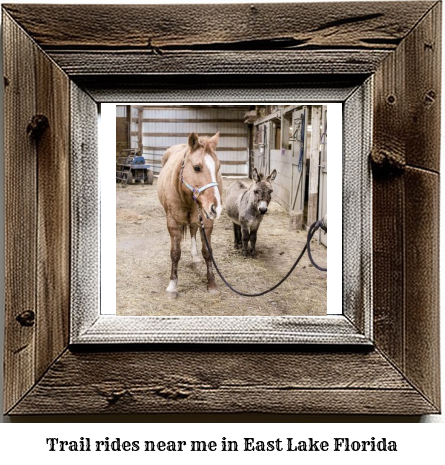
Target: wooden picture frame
{"points": [[55, 76]]}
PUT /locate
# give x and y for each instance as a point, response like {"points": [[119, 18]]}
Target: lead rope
{"points": [[315, 226]]}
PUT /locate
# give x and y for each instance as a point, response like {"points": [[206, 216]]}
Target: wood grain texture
{"points": [[84, 204], [274, 25], [220, 62], [20, 213], [408, 87], [406, 206], [223, 382], [53, 223], [388, 200], [423, 91], [227, 88], [304, 46], [37, 213], [422, 364], [389, 143], [357, 210], [270, 330], [388, 268]]}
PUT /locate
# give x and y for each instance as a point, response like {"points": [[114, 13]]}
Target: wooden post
{"points": [[140, 118], [314, 166], [129, 116]]}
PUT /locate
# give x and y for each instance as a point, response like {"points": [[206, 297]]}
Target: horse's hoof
{"points": [[171, 295], [213, 289]]}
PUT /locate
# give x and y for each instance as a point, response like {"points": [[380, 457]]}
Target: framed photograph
{"points": [[374, 349]]}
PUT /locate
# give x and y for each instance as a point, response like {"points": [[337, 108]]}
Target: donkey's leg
{"points": [[253, 233], [211, 285], [246, 237], [175, 254], [196, 259], [237, 233]]}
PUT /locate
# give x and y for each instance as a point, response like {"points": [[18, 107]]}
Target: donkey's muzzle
{"points": [[262, 210]]}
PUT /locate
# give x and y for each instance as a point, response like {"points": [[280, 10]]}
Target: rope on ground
{"points": [[314, 227]]}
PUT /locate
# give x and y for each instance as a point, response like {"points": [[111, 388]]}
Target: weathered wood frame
{"points": [[62, 74], [353, 326]]}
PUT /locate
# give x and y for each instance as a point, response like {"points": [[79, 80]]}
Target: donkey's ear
{"points": [[255, 176], [213, 141], [272, 176], [193, 141]]}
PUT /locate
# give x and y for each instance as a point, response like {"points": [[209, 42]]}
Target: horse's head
{"points": [[201, 168], [262, 190]]}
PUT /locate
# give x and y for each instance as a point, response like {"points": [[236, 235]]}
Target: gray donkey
{"points": [[246, 206]]}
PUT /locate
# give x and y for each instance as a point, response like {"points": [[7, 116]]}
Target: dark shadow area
{"points": [[217, 418]]}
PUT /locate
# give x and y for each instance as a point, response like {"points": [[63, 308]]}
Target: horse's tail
{"points": [[183, 231]]}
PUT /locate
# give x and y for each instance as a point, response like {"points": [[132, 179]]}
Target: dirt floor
{"points": [[143, 265]]}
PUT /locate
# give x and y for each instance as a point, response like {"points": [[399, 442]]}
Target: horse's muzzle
{"points": [[212, 214]]}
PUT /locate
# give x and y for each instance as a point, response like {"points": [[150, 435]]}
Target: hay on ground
{"points": [[143, 265]]}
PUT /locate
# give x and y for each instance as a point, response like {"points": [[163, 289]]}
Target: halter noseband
{"points": [[195, 191]]}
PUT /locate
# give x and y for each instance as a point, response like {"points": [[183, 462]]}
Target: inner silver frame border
{"points": [[354, 326]]}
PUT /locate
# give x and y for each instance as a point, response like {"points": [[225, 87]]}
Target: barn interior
{"points": [[291, 139]]}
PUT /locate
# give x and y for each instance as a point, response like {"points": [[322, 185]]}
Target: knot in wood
{"points": [[115, 396], [386, 162], [37, 126], [26, 318], [173, 393]]}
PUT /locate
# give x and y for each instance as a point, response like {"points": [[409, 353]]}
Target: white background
{"points": [[24, 441]]}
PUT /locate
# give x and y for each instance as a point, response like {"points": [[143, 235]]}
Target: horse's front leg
{"points": [[175, 254], [196, 259], [211, 284]]}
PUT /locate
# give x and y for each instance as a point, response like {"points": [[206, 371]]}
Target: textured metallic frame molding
{"points": [[381, 356], [89, 326]]}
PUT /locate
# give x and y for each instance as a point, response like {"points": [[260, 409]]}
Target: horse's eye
{"points": [[255, 191], [197, 168]]}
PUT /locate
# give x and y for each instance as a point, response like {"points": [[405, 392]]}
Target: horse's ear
{"points": [[193, 141], [272, 176], [213, 141], [255, 176]]}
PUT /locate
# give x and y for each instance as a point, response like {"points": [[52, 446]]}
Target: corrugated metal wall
{"points": [[164, 126]]}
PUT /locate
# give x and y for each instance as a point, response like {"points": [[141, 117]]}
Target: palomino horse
{"points": [[190, 178]]}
